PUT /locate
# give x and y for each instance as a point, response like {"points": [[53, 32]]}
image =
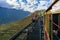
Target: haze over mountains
{"points": [[10, 15]]}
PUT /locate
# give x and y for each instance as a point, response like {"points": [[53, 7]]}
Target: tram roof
{"points": [[50, 7]]}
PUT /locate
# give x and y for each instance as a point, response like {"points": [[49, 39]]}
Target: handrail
{"points": [[56, 36], [56, 24], [18, 33], [21, 31]]}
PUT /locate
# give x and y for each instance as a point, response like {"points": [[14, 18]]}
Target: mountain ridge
{"points": [[10, 15]]}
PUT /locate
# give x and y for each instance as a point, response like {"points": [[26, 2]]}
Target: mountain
{"points": [[10, 15]]}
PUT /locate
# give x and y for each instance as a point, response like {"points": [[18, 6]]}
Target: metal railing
{"points": [[40, 22], [20, 32]]}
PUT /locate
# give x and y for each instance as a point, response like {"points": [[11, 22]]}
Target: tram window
{"points": [[55, 20]]}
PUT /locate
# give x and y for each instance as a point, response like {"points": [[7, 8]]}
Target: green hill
{"points": [[8, 30]]}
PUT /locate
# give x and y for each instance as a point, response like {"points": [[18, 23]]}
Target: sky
{"points": [[26, 5]]}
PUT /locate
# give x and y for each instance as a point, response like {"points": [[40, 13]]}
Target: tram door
{"points": [[55, 21], [55, 29]]}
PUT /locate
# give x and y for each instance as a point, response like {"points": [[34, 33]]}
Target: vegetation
{"points": [[8, 30]]}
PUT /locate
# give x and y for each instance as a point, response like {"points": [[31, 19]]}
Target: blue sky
{"points": [[26, 5]]}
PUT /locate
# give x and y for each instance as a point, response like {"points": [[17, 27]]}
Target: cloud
{"points": [[4, 4], [28, 5], [13, 3], [33, 6]]}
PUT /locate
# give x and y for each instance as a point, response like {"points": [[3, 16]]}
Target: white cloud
{"points": [[43, 2], [13, 3], [29, 6]]}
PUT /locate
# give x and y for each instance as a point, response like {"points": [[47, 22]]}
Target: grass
{"points": [[8, 30]]}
